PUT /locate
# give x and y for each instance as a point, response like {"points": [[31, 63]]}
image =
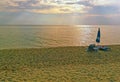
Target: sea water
{"points": [[56, 35]]}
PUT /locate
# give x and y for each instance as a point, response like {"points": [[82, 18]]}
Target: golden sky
{"points": [[51, 10]]}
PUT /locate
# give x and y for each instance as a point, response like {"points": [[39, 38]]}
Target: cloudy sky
{"points": [[59, 12]]}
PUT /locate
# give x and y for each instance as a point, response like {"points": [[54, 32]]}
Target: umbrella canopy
{"points": [[98, 36]]}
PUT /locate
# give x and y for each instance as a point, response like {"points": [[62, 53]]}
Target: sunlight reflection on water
{"points": [[53, 36]]}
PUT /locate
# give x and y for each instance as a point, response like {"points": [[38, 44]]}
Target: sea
{"points": [[43, 36]]}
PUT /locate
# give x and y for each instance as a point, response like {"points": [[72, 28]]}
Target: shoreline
{"points": [[52, 47]]}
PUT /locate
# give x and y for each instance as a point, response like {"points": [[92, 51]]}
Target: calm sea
{"points": [[54, 36]]}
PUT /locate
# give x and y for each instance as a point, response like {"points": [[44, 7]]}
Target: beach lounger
{"points": [[92, 47], [104, 48]]}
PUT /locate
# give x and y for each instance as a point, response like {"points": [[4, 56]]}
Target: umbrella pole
{"points": [[97, 44]]}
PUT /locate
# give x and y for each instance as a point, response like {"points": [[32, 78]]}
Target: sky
{"points": [[59, 12]]}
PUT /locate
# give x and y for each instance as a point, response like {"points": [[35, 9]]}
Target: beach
{"points": [[60, 64], [60, 41]]}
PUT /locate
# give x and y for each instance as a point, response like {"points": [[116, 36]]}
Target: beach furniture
{"points": [[92, 47], [104, 48], [98, 36]]}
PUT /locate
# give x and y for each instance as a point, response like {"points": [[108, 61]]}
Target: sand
{"points": [[60, 64]]}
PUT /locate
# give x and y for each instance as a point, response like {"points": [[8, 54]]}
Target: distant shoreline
{"points": [[63, 25]]}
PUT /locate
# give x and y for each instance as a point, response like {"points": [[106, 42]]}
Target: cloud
{"points": [[96, 7], [45, 6], [104, 2], [104, 10]]}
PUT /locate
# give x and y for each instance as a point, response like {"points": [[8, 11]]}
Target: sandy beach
{"points": [[60, 41], [60, 64]]}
